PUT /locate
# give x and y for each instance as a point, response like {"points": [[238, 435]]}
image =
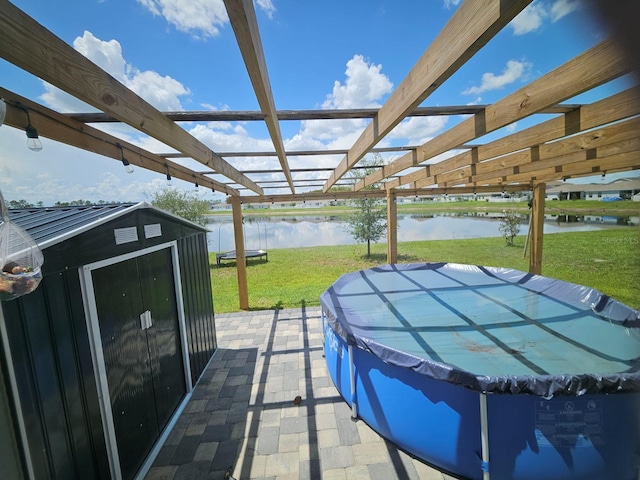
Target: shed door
{"points": [[144, 366]]}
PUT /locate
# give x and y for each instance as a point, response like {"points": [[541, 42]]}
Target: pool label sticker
{"points": [[569, 423], [332, 340]]}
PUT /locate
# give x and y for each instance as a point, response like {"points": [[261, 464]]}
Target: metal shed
{"points": [[99, 361]]}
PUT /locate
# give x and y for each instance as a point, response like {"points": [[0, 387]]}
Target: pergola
{"points": [[579, 140]]}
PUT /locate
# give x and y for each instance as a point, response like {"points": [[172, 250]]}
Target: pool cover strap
{"points": [[493, 330]]}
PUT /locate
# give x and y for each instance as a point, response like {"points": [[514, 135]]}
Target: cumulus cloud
{"points": [[200, 18], [364, 86], [513, 71], [451, 3], [533, 17], [267, 7], [163, 92], [560, 8], [418, 130], [529, 19]]}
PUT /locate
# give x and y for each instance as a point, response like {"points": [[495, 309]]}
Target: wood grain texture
{"points": [[473, 24], [600, 64], [51, 124], [245, 25], [28, 45], [241, 266]]}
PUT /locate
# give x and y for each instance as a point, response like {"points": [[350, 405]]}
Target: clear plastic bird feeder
{"points": [[20, 258]]}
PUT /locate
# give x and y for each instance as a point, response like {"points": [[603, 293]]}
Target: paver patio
{"points": [[243, 420]]}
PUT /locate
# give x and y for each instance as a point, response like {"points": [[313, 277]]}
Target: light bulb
{"points": [[168, 180], [33, 142], [127, 166]]}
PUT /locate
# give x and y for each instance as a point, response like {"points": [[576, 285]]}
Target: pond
{"points": [[292, 231]]}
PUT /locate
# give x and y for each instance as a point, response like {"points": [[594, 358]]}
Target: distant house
{"points": [[624, 189]]}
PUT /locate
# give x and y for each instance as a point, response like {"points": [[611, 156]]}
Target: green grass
{"points": [[607, 260]]}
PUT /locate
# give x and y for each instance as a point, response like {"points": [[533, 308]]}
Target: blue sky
{"points": [[182, 55]]}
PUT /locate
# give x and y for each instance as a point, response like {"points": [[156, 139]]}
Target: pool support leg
{"points": [[484, 436], [352, 377]]}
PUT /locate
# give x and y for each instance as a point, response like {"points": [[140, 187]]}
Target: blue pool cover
{"points": [[494, 330]]}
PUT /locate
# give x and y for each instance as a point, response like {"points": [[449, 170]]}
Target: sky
{"points": [[333, 54]]}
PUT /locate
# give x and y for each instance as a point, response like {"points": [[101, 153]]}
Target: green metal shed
{"points": [[99, 361]]}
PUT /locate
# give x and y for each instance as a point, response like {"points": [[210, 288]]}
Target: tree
{"points": [[369, 222], [510, 226], [181, 203], [19, 204]]}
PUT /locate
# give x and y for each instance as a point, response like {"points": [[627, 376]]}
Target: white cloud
{"points": [[107, 55], [200, 18], [451, 3], [532, 17], [529, 19], [560, 8], [513, 71], [267, 7], [364, 87], [418, 130], [163, 92], [66, 173]]}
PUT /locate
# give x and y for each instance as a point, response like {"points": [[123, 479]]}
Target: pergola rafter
{"points": [[581, 140], [471, 27], [598, 65], [245, 25], [30, 46]]}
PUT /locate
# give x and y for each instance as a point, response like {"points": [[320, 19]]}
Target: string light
{"points": [[127, 166], [33, 141], [168, 177]]}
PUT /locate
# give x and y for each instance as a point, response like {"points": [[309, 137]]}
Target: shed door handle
{"points": [[145, 320]]}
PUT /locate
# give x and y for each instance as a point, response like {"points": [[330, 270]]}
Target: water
{"points": [[292, 231]]}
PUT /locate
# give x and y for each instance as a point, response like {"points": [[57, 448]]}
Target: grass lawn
{"points": [[607, 260]]}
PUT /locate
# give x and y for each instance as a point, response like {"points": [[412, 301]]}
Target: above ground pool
{"points": [[489, 372]]}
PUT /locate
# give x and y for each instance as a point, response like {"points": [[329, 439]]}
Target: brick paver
{"points": [[242, 422]]}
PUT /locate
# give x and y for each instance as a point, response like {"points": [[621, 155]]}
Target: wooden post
{"points": [[537, 229], [241, 263], [392, 228]]}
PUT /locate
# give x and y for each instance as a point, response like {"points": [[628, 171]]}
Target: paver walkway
{"points": [[243, 420]]}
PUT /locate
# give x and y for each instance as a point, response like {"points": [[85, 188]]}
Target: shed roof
{"points": [[51, 225]]}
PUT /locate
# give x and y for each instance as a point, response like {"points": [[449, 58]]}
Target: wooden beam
{"points": [[619, 157], [586, 146], [392, 228], [30, 46], [245, 25], [241, 261], [473, 24], [401, 192], [537, 229], [598, 65], [611, 109], [297, 115], [63, 129]]}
